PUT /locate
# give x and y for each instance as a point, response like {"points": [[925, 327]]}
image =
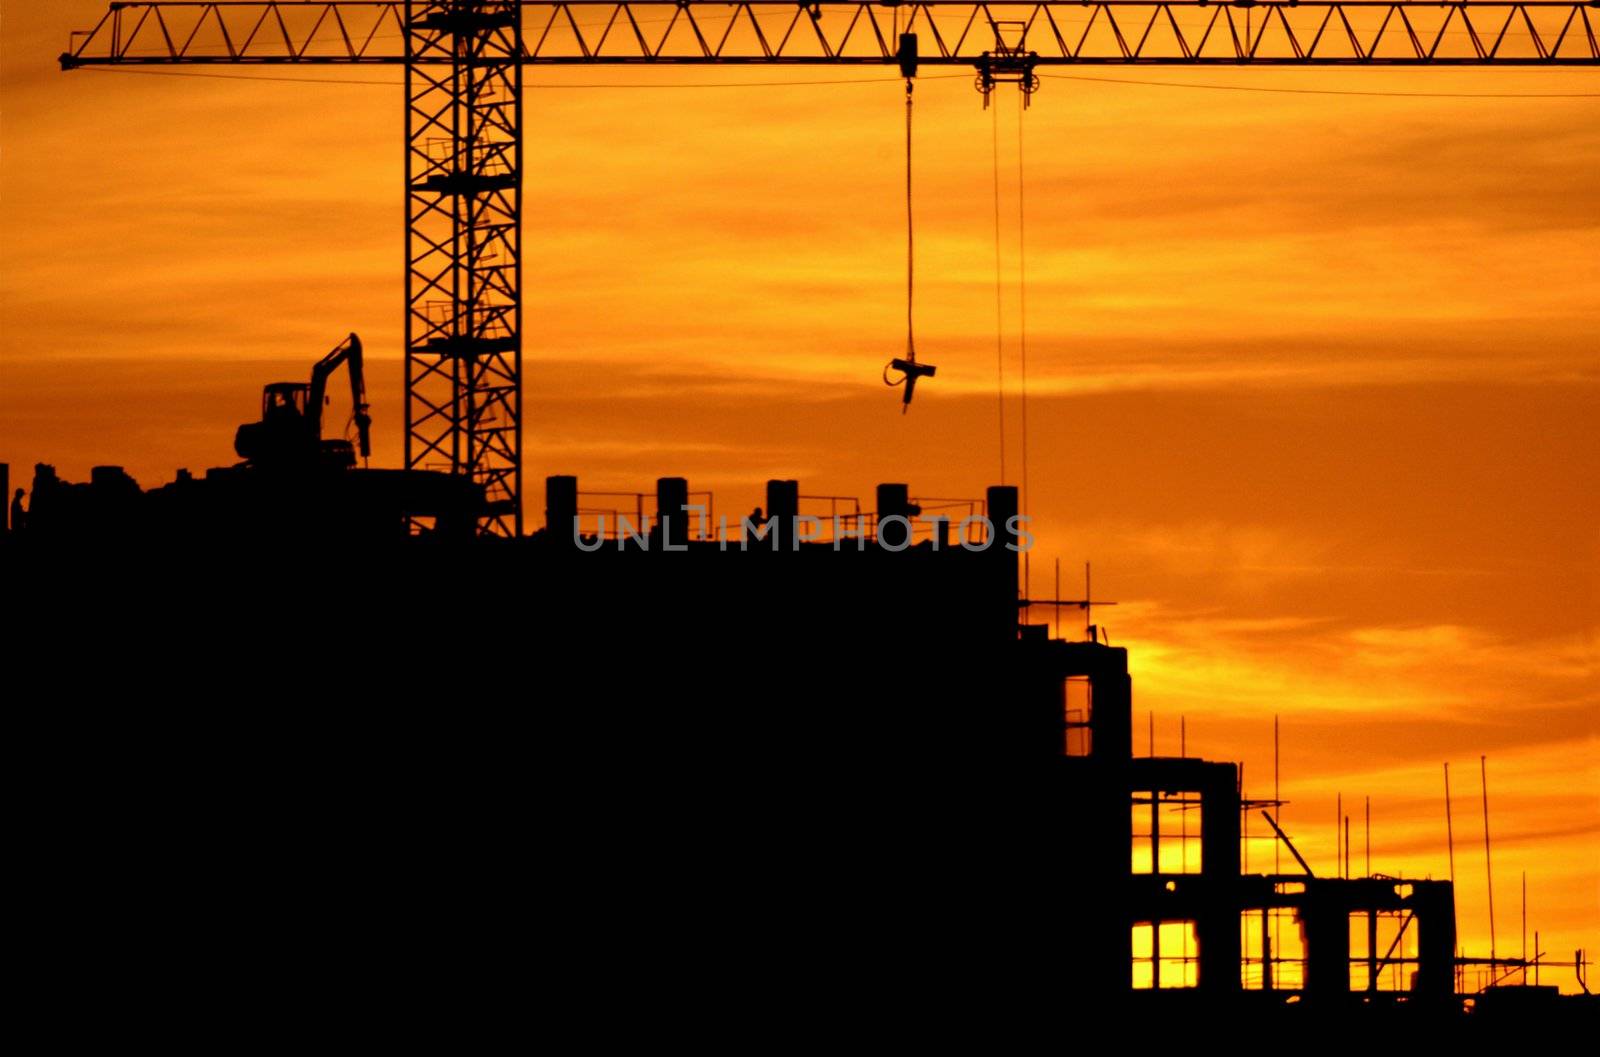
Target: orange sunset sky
{"points": [[1314, 379]]}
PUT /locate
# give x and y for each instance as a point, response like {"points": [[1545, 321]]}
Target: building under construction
{"points": [[814, 731]]}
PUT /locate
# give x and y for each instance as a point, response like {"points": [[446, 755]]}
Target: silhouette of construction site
{"points": [[823, 761], [807, 693]]}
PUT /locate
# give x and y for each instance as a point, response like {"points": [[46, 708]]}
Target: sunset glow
{"points": [[1313, 380]]}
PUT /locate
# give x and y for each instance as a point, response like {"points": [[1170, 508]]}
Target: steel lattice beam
{"points": [[1063, 32], [463, 332]]}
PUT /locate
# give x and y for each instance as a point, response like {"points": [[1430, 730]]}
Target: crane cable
{"points": [[910, 370], [347, 81], [911, 245], [1022, 328], [999, 316], [1022, 296], [911, 262], [1022, 303]]}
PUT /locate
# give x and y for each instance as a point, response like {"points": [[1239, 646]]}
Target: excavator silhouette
{"points": [[289, 435], [294, 489]]}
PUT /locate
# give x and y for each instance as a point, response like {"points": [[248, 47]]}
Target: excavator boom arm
{"points": [[348, 353]]}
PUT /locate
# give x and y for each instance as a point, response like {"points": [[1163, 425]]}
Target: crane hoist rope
{"points": [[910, 370], [1022, 326], [999, 304], [1022, 296], [1022, 292]]}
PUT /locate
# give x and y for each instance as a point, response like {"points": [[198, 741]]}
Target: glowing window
{"points": [[1166, 833], [1383, 950], [1165, 954], [1076, 709], [1272, 945]]}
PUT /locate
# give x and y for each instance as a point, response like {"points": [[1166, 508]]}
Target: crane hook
{"points": [[910, 370]]}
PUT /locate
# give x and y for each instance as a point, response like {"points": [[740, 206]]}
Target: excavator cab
{"points": [[289, 435], [283, 401]]}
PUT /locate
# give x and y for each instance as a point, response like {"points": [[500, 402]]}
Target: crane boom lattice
{"points": [[463, 332]]}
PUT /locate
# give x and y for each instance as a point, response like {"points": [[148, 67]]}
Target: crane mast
{"points": [[463, 327], [464, 60]]}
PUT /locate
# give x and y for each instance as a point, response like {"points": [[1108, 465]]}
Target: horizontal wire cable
{"points": [[1321, 91], [875, 80], [397, 84]]}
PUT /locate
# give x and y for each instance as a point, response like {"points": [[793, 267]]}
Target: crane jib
{"points": [[670, 32]]}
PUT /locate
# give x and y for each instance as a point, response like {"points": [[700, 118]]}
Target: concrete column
{"points": [[1327, 923], [672, 521], [1111, 707], [561, 508], [1002, 503], [1217, 926], [1003, 563], [1434, 903], [894, 501], [783, 506]]}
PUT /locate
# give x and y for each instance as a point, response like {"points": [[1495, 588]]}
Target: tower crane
{"points": [[463, 62]]}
